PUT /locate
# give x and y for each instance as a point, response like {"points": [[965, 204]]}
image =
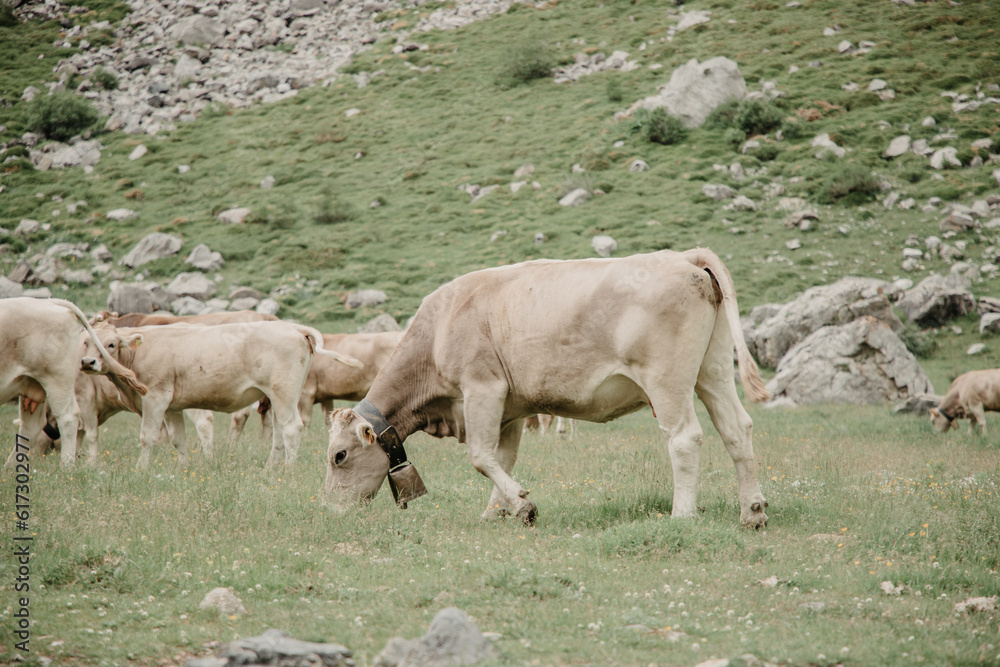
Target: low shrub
{"points": [[104, 79], [525, 62], [851, 184], [659, 126], [758, 117], [60, 116]]}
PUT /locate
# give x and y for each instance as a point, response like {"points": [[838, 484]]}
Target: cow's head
{"points": [[356, 465], [111, 355], [941, 421]]}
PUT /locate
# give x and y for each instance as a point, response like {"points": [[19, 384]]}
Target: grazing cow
{"points": [[39, 361], [223, 368], [587, 339], [329, 380], [204, 420], [969, 396]]}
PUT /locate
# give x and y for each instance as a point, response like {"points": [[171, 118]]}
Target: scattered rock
{"points": [[137, 152], [233, 216], [862, 362], [718, 192], [192, 284], [771, 330], [205, 259], [275, 647], [268, 307], [638, 165], [575, 197], [153, 247], [603, 245], [224, 600], [137, 298], [695, 90], [380, 323], [889, 589], [938, 299], [979, 604], [453, 639], [898, 146], [976, 348], [9, 288], [121, 214], [366, 297]]}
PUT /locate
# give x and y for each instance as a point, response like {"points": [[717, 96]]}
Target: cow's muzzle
{"points": [[90, 365], [406, 484]]}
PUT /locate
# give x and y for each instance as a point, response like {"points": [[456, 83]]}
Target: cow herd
{"points": [[582, 339]]}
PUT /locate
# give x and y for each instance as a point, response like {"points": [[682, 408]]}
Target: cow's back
{"points": [[977, 387], [339, 381], [569, 337]]}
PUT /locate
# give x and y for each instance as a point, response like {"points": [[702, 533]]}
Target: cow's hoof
{"points": [[527, 513]]}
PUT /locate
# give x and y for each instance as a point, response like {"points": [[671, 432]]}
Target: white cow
{"points": [[39, 360], [222, 368], [329, 380], [587, 339]]}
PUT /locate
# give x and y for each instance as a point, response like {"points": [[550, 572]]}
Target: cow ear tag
{"points": [[367, 434], [135, 341]]}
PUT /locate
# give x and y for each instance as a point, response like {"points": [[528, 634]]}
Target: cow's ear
{"points": [[342, 417], [366, 434], [934, 412], [134, 341]]}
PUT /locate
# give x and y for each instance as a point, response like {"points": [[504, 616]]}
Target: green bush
{"points": [[792, 129], [658, 126], [613, 89], [7, 18], [722, 117], [916, 340], [758, 117], [104, 79], [60, 116], [525, 62], [851, 184], [734, 136]]}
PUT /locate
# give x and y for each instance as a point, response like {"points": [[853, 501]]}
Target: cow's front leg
{"points": [[483, 414], [506, 451], [977, 415]]}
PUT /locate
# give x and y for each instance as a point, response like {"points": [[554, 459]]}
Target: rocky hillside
{"points": [[344, 159]]}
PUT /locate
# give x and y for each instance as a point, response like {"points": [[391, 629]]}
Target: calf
{"points": [[221, 368]]}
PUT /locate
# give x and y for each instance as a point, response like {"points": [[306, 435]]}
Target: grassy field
{"points": [[122, 558]]}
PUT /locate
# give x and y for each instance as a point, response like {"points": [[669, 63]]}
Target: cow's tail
{"points": [[126, 375], [315, 339], [753, 384]]}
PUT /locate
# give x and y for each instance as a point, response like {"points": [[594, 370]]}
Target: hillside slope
{"points": [[371, 183]]}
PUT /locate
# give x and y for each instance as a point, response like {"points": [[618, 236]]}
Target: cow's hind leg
{"points": [[483, 413], [174, 421], [717, 390], [506, 452], [677, 419], [287, 431], [62, 402]]}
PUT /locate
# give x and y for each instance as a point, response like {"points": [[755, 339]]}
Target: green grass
{"points": [[122, 558]]}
